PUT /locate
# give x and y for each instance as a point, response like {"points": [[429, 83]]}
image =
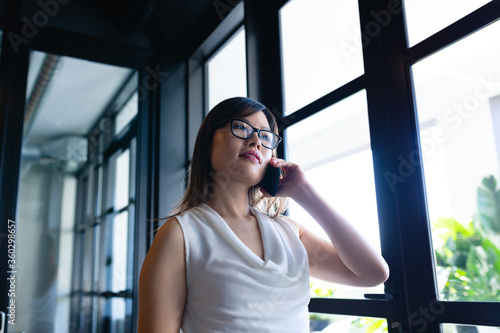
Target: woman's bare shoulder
{"points": [[162, 282], [169, 235], [296, 224], [165, 256]]}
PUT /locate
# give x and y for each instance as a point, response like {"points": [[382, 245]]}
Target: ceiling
{"points": [[66, 95], [79, 91]]}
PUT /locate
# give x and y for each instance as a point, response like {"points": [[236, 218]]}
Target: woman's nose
{"points": [[254, 140]]}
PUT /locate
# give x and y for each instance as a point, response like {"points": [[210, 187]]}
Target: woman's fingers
{"points": [[279, 163]]}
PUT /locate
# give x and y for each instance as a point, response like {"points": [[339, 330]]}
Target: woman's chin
{"points": [[251, 181]]}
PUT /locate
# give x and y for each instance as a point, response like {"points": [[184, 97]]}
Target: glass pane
{"points": [[117, 315], [456, 328], [116, 253], [81, 209], [458, 104], [88, 260], [111, 177], [333, 148], [96, 180], [426, 17], [78, 262], [133, 157], [96, 256], [85, 320], [329, 323], [321, 42], [227, 76], [64, 95], [127, 113], [120, 246], [122, 180], [98, 195]]}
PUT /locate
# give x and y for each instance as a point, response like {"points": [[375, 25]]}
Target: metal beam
{"points": [[13, 76]]}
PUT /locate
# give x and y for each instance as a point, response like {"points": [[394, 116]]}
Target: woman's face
{"points": [[239, 159]]}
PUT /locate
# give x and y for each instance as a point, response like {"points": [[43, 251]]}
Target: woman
{"points": [[221, 264]]}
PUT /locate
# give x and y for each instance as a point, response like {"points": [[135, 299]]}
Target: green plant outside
{"points": [[469, 257]]}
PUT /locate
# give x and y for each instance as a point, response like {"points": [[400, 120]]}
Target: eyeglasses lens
{"points": [[244, 131]]}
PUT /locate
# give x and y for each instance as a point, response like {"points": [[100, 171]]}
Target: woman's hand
{"points": [[347, 258], [293, 181]]}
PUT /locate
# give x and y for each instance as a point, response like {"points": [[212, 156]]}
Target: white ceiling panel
{"points": [[77, 95]]}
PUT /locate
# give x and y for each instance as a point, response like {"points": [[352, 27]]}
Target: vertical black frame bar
{"points": [[146, 179], [14, 65], [405, 233], [382, 152], [380, 138], [263, 49], [173, 117]]}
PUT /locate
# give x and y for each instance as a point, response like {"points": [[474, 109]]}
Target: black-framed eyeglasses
{"points": [[243, 130]]}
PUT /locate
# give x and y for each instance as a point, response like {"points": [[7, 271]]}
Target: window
{"points": [[226, 70], [115, 274], [106, 301], [127, 113], [457, 93], [61, 233], [426, 17], [322, 50], [333, 148]]}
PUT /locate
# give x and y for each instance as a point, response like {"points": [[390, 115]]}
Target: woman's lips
{"points": [[250, 157]]}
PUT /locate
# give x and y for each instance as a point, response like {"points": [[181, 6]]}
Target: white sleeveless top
{"points": [[231, 289]]}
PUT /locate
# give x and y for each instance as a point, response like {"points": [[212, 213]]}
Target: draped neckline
{"points": [[273, 255]]}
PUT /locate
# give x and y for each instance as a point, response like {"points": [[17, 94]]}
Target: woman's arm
{"points": [[347, 258], [162, 283]]}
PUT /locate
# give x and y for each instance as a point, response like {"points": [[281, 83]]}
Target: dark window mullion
{"points": [[456, 31], [404, 230], [354, 307], [329, 99], [471, 313]]}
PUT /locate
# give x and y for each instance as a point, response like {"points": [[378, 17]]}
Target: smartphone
{"points": [[271, 179]]}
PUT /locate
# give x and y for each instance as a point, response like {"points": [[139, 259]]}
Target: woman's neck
{"points": [[230, 200]]}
